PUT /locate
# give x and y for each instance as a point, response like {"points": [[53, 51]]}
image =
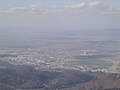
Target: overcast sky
{"points": [[59, 14]]}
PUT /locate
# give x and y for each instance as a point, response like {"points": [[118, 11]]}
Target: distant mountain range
{"points": [[26, 77]]}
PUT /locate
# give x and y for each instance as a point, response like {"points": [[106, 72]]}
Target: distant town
{"points": [[57, 59]]}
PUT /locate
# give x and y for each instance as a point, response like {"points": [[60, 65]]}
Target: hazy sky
{"points": [[59, 14]]}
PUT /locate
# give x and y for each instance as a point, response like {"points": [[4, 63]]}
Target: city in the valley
{"points": [[64, 53]]}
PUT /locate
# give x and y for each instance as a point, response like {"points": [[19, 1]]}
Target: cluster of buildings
{"points": [[45, 59]]}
